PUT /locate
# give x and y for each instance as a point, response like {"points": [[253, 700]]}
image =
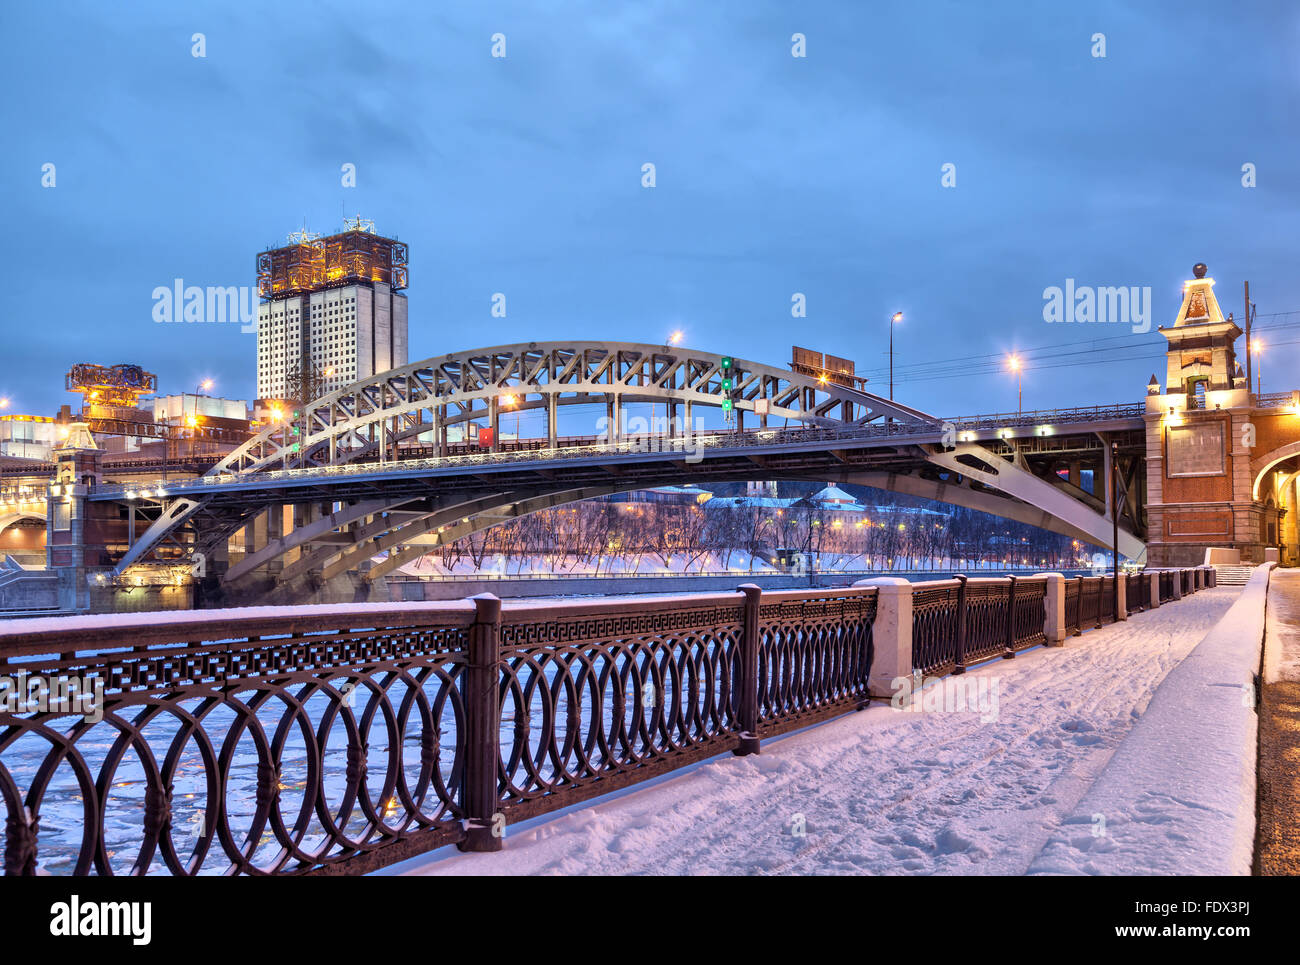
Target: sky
{"points": [[775, 176]]}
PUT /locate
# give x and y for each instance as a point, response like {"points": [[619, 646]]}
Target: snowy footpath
{"points": [[883, 791]]}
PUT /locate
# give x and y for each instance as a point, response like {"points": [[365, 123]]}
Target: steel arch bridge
{"points": [[376, 415], [346, 459]]}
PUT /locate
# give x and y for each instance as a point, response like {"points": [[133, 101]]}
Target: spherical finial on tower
{"points": [[1199, 269]]}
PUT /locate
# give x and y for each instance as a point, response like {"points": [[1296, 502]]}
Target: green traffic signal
{"points": [[727, 384], [726, 361], [727, 405]]}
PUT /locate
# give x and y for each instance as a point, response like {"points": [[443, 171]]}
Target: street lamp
{"points": [[898, 317], [508, 402], [193, 420], [1256, 347], [1014, 364], [4, 402]]}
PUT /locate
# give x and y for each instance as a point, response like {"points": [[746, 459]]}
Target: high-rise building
{"points": [[331, 311]]}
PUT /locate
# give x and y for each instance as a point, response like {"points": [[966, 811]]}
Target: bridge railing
{"points": [[1050, 417], [643, 444], [331, 740]]}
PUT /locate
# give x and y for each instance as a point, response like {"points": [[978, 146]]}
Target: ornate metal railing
{"points": [[814, 656], [1073, 593], [937, 609], [962, 621], [238, 745], [1090, 602], [338, 740], [1137, 592], [987, 606], [342, 739], [1029, 599]]}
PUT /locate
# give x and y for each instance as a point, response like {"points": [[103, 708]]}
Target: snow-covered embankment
{"points": [[1178, 796]]}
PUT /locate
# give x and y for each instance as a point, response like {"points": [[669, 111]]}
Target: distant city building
{"points": [[331, 312], [176, 409], [676, 495], [27, 436]]}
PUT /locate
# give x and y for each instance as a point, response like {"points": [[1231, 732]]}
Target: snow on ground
{"points": [[883, 791], [1178, 797], [1282, 646]]}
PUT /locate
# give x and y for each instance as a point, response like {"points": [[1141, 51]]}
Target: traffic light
{"points": [[726, 363], [728, 384], [727, 405]]}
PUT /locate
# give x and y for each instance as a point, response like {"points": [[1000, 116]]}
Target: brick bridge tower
{"points": [[1221, 461]]}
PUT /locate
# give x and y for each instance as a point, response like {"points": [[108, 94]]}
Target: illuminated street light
{"points": [[1015, 365], [4, 402], [675, 338], [898, 317], [1256, 348]]}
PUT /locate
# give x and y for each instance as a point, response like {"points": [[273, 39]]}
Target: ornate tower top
{"points": [[1199, 307], [1201, 352]]}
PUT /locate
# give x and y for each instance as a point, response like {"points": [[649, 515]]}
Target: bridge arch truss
{"points": [[372, 418]]}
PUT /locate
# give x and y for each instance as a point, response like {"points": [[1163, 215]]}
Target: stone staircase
{"points": [[1231, 574]]}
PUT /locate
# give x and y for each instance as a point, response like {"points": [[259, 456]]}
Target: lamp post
{"points": [[1114, 524], [674, 338], [508, 402], [1014, 364], [898, 317], [1256, 348], [193, 421]]}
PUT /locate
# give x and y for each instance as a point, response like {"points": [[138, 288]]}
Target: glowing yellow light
{"points": [[191, 421], [675, 337], [1013, 363], [507, 400]]}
